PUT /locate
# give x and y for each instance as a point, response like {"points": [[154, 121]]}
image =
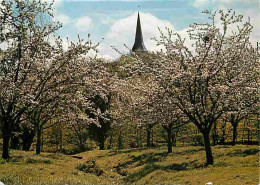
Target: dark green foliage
{"points": [[32, 160], [15, 160], [251, 151], [244, 153], [2, 161], [90, 167], [47, 161]]}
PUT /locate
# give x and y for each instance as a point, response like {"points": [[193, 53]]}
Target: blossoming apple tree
{"points": [[33, 72], [203, 79]]}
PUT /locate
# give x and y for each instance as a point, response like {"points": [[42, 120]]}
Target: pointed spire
{"points": [[139, 43]]}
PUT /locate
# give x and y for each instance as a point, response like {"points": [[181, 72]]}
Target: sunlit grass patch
{"points": [[186, 165]]}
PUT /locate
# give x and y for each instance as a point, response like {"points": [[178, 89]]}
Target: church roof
{"points": [[139, 43]]}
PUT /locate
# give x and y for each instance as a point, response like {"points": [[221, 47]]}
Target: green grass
{"points": [[28, 168], [233, 165]]}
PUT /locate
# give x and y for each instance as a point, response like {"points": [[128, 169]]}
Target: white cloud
{"points": [[123, 32], [223, 4], [231, 2], [115, 0], [62, 18], [84, 24], [198, 3], [108, 20], [226, 1]]}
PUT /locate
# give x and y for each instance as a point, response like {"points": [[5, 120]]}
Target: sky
{"points": [[113, 22]]}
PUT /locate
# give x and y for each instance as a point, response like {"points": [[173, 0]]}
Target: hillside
{"points": [[233, 165]]}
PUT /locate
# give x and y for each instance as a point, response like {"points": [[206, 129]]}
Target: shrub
{"points": [[2, 161], [32, 160], [251, 151], [90, 167]]}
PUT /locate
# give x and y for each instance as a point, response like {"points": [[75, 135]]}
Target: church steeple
{"points": [[139, 43]]}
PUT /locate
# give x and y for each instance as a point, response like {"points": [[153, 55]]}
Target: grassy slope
{"points": [[233, 165]]}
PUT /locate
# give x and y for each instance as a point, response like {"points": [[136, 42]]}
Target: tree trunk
{"points": [[29, 143], [215, 134], [138, 137], [111, 139], [102, 144], [169, 140], [6, 141], [24, 138], [101, 141], [57, 142], [6, 133], [27, 139], [152, 138], [209, 156], [14, 142], [243, 134], [174, 137], [148, 139], [174, 140], [223, 136], [248, 136], [42, 140], [24, 145], [120, 141], [38, 141], [60, 140], [81, 142], [234, 120], [234, 134]]}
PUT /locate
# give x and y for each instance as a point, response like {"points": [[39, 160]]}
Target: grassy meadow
{"points": [[233, 165]]}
